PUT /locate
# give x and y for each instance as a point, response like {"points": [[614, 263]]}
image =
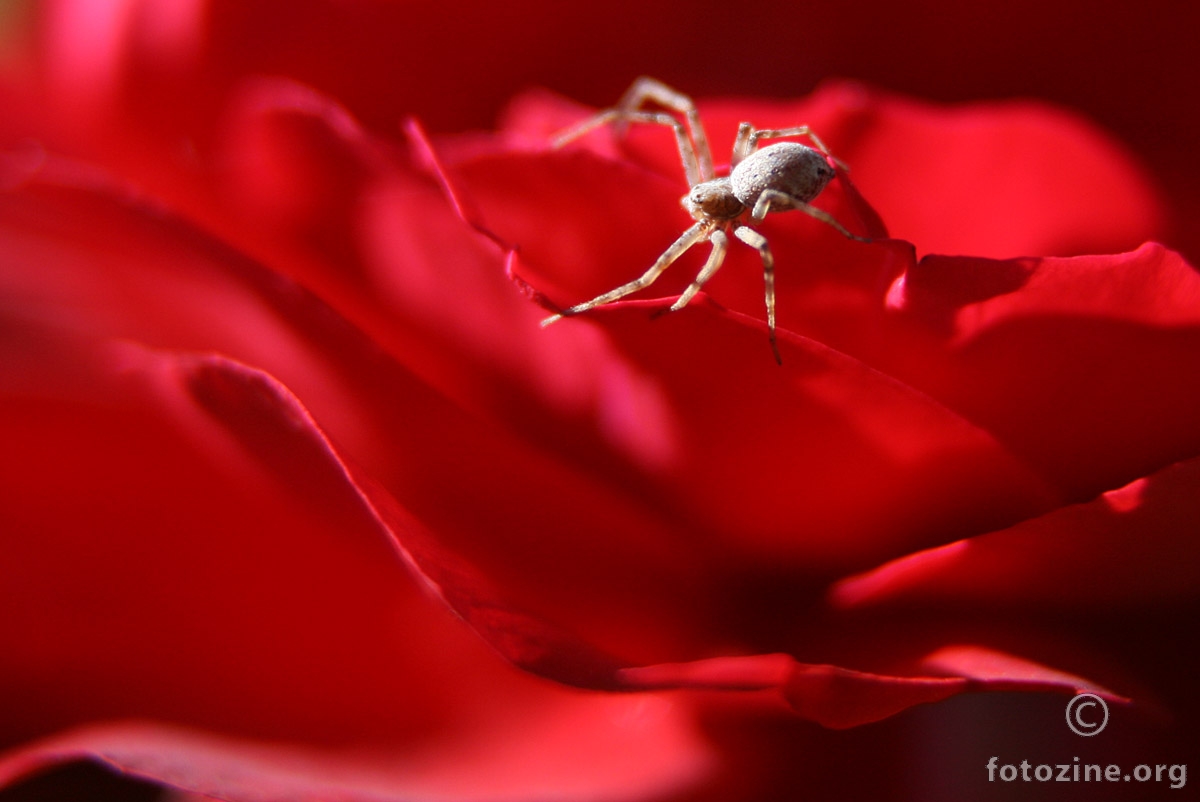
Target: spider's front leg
{"points": [[719, 245], [644, 89], [689, 238], [692, 141]]}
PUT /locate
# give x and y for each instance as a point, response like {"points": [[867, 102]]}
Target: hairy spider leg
{"points": [[686, 152], [741, 143], [773, 197], [644, 89], [759, 242], [777, 133], [719, 244], [689, 238]]}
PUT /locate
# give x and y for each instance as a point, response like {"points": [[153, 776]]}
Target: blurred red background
{"points": [[1130, 67]]}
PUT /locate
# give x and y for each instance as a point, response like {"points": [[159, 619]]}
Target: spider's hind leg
{"points": [[773, 197]]}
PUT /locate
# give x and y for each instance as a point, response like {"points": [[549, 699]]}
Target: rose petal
{"points": [[435, 293], [276, 433], [1126, 545], [106, 266], [840, 698], [1080, 371], [821, 463], [293, 168], [234, 571], [587, 748], [190, 579], [999, 179]]}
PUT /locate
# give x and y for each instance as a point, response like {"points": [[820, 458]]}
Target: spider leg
{"points": [[752, 136], [719, 244], [759, 242], [694, 150], [773, 197], [644, 89], [687, 240], [687, 153], [741, 145]]}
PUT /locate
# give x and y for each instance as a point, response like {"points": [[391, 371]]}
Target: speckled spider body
{"points": [[777, 178]]}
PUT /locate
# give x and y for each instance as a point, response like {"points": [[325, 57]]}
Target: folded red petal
{"points": [[1125, 547], [840, 697], [164, 569], [106, 266], [820, 463], [237, 421], [1077, 364], [194, 551], [292, 168], [586, 747]]}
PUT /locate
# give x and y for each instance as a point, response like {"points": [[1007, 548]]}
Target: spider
{"points": [[778, 178]]}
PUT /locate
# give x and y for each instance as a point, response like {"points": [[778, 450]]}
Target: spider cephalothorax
{"points": [[777, 178]]}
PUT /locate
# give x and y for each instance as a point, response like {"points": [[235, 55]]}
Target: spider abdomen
{"points": [[798, 171]]}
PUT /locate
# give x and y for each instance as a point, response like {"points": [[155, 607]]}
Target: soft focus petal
{"points": [[1080, 365], [587, 748], [89, 260], [1125, 546], [840, 698], [149, 534], [997, 179], [189, 460]]}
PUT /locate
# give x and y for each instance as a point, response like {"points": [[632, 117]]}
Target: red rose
{"points": [[287, 451]]}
